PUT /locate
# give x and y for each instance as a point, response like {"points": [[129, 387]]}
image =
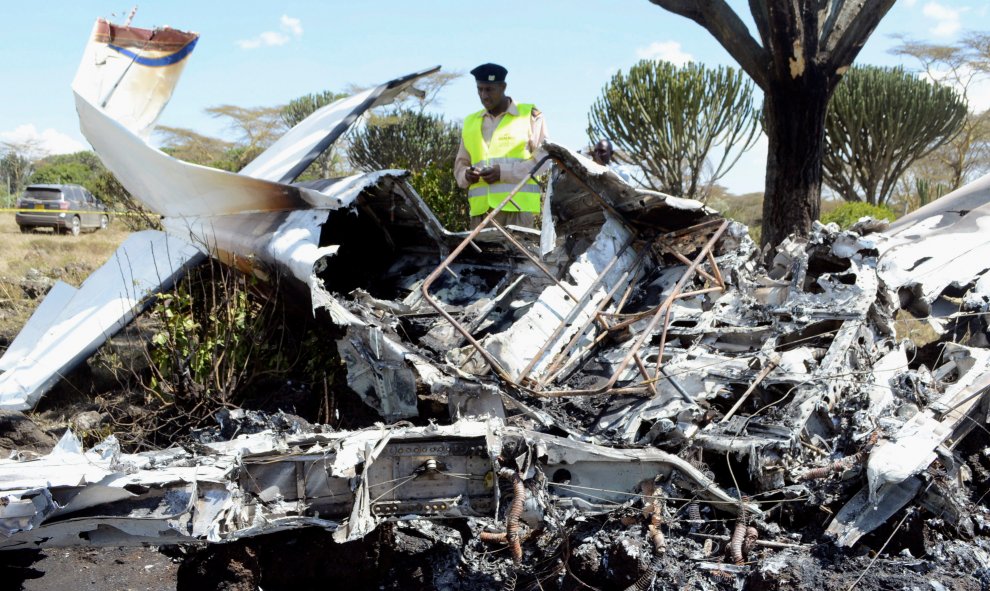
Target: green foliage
{"points": [[879, 122], [849, 213], [215, 337], [928, 191], [66, 173], [437, 186], [85, 158], [667, 120], [299, 108], [227, 340], [86, 169], [187, 145], [15, 168], [108, 189], [79, 168], [235, 158], [423, 144], [405, 139], [330, 162]]}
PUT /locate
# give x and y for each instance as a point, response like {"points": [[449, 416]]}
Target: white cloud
{"points": [[664, 50], [910, 3], [946, 20], [41, 143], [290, 27]]}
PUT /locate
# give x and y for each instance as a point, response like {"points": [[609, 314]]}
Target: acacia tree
{"points": [[880, 121], [666, 121], [804, 48], [961, 66], [256, 128], [330, 162], [186, 144]]}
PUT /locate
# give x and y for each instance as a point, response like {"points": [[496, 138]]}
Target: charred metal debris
{"points": [[633, 397], [646, 371]]}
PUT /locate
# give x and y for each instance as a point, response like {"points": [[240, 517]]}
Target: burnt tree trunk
{"points": [[794, 112], [804, 47]]}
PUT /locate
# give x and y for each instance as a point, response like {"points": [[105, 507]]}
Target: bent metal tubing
{"points": [[662, 311], [649, 381], [551, 372], [578, 303], [469, 240]]}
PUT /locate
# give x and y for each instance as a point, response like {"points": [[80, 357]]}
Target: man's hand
{"points": [[492, 174], [472, 175]]}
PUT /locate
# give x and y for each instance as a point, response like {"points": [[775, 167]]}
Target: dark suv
{"points": [[64, 208]]}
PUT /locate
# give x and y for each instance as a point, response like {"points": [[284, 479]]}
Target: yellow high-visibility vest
{"points": [[508, 145]]}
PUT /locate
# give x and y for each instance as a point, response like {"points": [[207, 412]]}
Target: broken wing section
{"points": [[125, 79], [288, 157], [70, 329], [942, 248], [57, 298], [131, 73], [173, 188], [294, 242]]}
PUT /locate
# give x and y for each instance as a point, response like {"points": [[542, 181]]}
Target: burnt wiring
{"points": [[739, 536], [511, 535], [653, 510]]}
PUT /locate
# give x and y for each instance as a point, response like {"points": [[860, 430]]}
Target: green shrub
{"points": [[848, 214], [224, 340], [437, 186], [423, 144], [212, 332]]}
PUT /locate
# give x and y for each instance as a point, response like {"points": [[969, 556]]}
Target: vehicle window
{"points": [[43, 194]]}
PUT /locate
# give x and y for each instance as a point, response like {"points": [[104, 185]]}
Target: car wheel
{"points": [[25, 229], [104, 222], [76, 226]]}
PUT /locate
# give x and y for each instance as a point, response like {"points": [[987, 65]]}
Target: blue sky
{"points": [[559, 54]]}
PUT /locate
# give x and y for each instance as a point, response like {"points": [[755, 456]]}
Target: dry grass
{"points": [[65, 257], [918, 332]]}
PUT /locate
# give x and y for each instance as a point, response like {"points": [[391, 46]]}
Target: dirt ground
{"points": [[133, 569]]}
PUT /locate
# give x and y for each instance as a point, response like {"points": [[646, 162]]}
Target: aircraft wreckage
{"points": [[633, 359]]}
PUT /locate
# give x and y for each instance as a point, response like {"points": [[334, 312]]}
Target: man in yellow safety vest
{"points": [[500, 144]]}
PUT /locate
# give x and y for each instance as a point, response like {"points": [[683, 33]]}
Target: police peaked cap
{"points": [[489, 73]]}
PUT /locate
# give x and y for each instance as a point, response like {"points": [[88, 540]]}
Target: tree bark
{"points": [[795, 127]]}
